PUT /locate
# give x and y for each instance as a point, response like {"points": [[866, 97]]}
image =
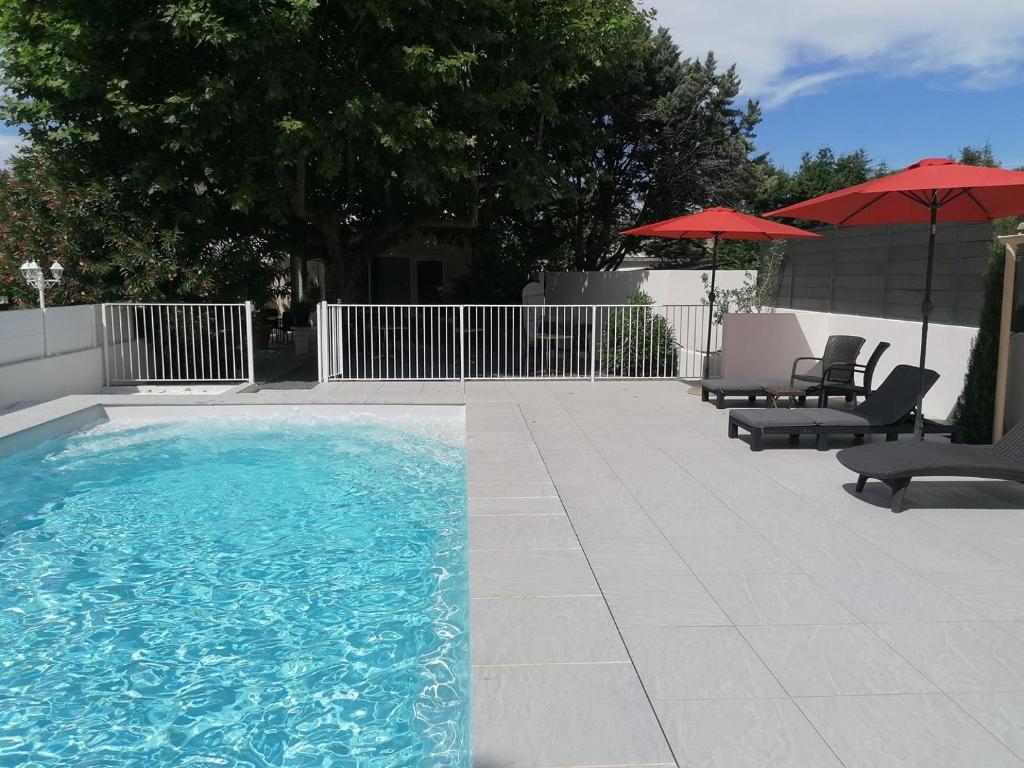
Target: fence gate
{"points": [[150, 343], [459, 342]]}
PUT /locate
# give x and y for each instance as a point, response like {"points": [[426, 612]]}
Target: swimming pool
{"points": [[237, 591]]}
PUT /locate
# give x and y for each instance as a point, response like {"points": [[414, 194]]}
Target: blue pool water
{"points": [[234, 592]]}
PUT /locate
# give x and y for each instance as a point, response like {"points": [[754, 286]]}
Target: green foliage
{"points": [[111, 244], [635, 340], [817, 174], [759, 291], [975, 409], [340, 126]]}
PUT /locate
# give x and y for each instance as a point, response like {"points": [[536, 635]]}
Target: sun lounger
{"points": [[836, 365], [896, 464], [886, 411]]}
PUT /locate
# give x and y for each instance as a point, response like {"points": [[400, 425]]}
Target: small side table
{"points": [[775, 393]]}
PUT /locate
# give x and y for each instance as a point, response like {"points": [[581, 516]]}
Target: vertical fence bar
{"points": [[248, 341]]}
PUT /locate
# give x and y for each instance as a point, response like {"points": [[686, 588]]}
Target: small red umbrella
{"points": [[718, 224], [931, 190]]}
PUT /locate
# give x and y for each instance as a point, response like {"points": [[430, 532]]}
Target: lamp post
{"points": [[36, 278]]}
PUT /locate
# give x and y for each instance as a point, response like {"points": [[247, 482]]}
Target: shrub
{"points": [[636, 341]]}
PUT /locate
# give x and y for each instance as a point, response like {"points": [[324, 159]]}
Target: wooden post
{"points": [[1003, 365]]}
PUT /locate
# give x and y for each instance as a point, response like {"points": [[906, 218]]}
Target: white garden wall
{"points": [[765, 345], [665, 286], [51, 354]]}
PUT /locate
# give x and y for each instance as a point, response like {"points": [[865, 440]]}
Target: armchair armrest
{"points": [[792, 372]]}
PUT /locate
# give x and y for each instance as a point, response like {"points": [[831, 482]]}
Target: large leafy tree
{"points": [[652, 135], [338, 125]]}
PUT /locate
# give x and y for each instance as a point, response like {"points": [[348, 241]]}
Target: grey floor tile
{"points": [[675, 521], [995, 595], [544, 505], [1015, 628], [960, 656], [775, 599], [544, 630], [608, 494], [563, 715], [743, 733], [904, 731], [1002, 713], [521, 532], [834, 660], [607, 523], [876, 598], [835, 554], [512, 490], [732, 554], [530, 573], [698, 663]]}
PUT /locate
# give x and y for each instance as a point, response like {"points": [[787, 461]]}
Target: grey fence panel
{"points": [[879, 271]]}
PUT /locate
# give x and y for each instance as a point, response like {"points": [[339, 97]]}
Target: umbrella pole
{"points": [[926, 308], [711, 307]]}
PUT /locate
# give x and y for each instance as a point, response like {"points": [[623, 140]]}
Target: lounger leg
{"points": [[752, 399], [823, 441], [733, 430], [802, 400], [860, 483], [719, 401], [755, 442], [891, 437], [899, 491], [704, 394]]}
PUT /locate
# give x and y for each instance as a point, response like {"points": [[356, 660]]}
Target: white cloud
{"points": [[785, 48]]}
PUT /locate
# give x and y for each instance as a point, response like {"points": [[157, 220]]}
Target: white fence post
{"points": [[462, 343], [106, 354], [249, 341], [593, 341], [321, 341]]}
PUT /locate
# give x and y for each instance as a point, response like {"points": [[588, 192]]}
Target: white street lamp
{"points": [[36, 278]]}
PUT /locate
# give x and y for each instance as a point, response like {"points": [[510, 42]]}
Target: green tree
{"points": [[340, 125], [110, 245]]}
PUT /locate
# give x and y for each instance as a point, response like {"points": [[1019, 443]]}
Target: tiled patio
{"points": [[647, 592]]}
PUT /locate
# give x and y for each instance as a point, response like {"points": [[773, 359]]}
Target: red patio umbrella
{"points": [[931, 190], [718, 224]]}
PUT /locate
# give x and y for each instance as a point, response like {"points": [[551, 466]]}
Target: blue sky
{"points": [[904, 79]]}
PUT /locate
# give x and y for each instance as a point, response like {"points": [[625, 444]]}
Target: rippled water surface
{"points": [[236, 593]]}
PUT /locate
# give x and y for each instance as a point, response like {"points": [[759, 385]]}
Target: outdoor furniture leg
{"points": [[756, 442], [720, 401], [891, 437], [704, 394], [751, 399], [899, 488], [823, 441], [733, 430], [803, 400], [861, 480]]}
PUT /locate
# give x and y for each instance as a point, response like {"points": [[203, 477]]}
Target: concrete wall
{"points": [[765, 345], [665, 286], [65, 358]]}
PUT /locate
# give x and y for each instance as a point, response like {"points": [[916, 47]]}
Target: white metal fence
{"points": [[511, 341], [177, 343]]}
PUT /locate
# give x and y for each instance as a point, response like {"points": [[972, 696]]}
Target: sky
{"points": [[904, 79]]}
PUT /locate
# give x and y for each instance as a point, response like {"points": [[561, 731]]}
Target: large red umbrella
{"points": [[930, 191], [718, 224]]}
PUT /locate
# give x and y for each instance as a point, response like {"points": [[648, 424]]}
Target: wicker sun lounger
{"points": [[886, 411], [896, 464], [836, 365]]}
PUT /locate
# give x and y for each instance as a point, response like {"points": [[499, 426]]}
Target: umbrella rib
{"points": [[916, 198], [861, 210], [977, 202]]}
